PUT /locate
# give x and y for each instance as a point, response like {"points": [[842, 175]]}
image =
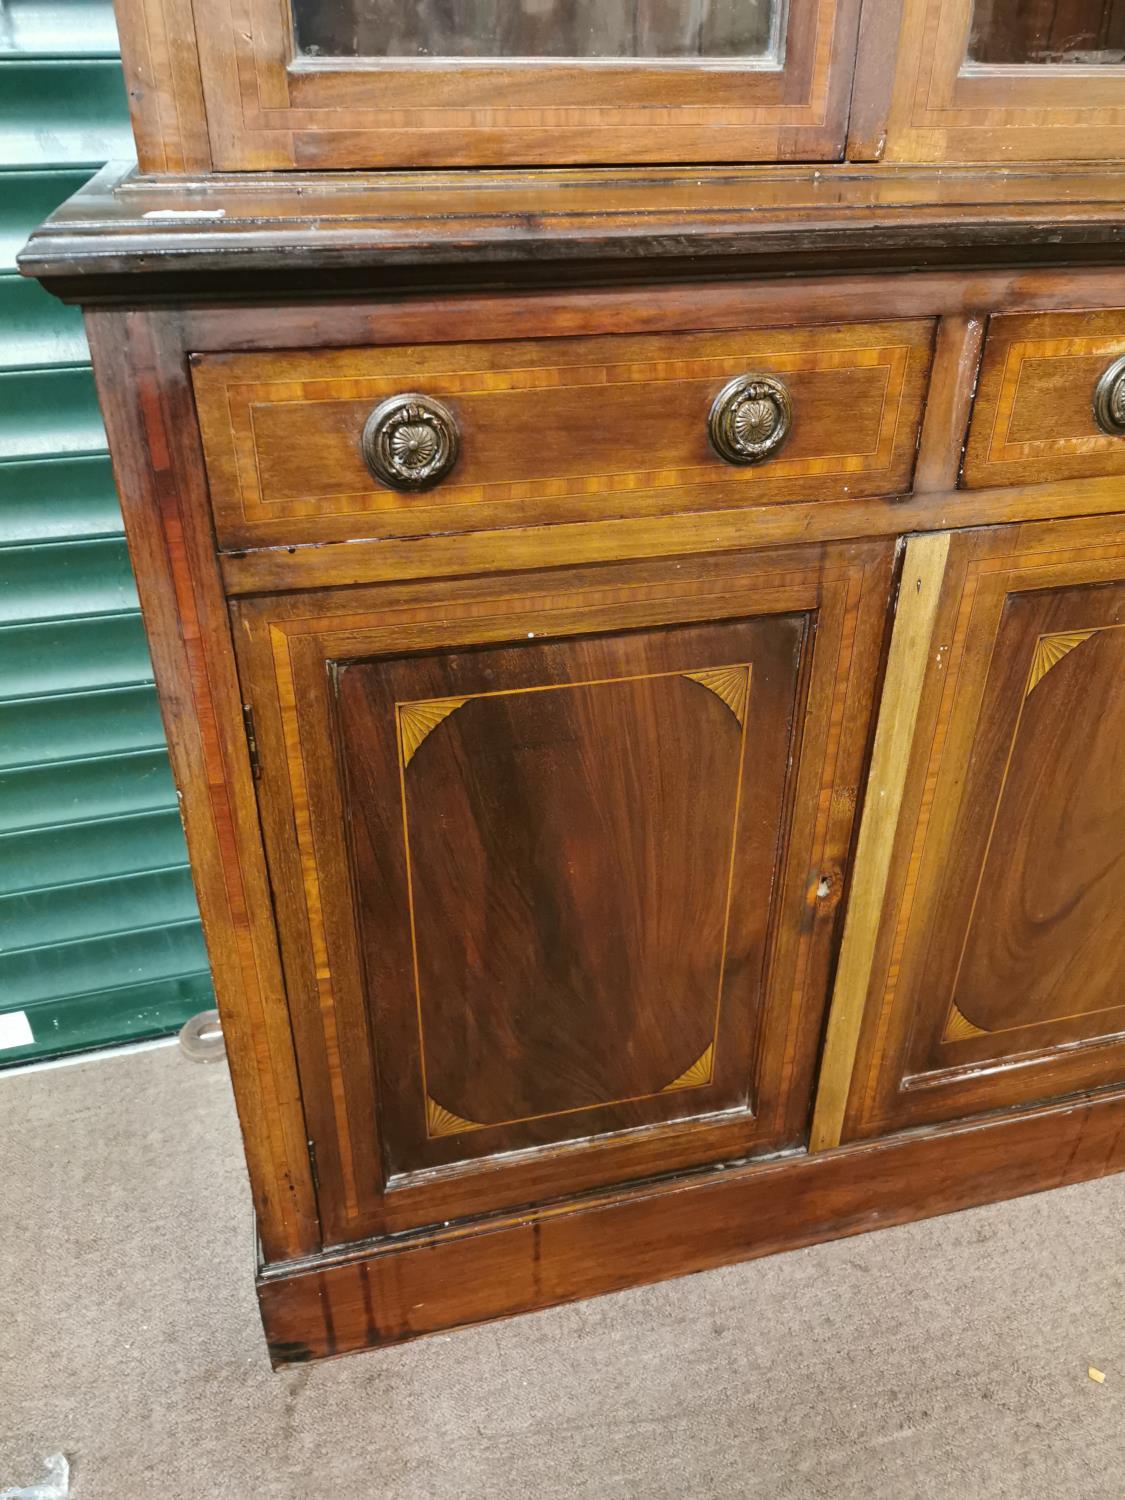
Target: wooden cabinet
{"points": [[623, 853], [994, 973], [639, 623], [557, 862], [312, 85]]}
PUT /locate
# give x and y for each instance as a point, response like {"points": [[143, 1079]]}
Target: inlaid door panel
{"points": [[556, 863], [999, 972], [566, 846]]}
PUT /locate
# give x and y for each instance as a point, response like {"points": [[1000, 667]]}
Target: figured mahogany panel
{"points": [[553, 430], [1034, 414], [999, 975], [551, 940], [555, 863], [1044, 929]]}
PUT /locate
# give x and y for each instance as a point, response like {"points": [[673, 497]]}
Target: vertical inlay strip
{"points": [[922, 575]]}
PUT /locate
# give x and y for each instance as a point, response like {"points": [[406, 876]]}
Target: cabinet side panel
{"points": [[165, 90], [146, 402]]}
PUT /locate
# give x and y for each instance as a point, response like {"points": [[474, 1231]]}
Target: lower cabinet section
{"points": [[557, 861], [995, 971], [594, 903]]}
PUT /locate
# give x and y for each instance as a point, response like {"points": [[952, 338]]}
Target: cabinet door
{"points": [[995, 973], [989, 80], [363, 83], [555, 862]]}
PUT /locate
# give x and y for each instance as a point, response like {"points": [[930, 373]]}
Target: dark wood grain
{"points": [[148, 412], [588, 811], [268, 234], [1047, 918]]}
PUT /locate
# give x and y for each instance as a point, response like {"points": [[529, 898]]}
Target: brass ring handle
{"points": [[1109, 399], [410, 442], [750, 418]]}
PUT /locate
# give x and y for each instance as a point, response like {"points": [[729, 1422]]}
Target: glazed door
{"points": [[339, 83], [556, 861], [992, 80], [994, 974]]}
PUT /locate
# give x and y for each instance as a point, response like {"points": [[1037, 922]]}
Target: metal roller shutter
{"points": [[99, 935]]}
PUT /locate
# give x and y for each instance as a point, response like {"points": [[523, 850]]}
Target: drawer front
{"points": [[1034, 418], [553, 430]]}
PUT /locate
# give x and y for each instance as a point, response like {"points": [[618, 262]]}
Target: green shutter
{"points": [[99, 934]]}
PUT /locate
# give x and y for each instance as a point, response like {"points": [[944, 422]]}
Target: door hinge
{"points": [[251, 741], [313, 1166]]}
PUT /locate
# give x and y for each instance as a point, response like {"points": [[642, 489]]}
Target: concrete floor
{"points": [[944, 1359]]}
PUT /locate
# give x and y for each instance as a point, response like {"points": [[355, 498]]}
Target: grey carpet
{"points": [[944, 1359]]}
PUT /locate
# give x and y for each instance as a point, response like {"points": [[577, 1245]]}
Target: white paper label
{"points": [[185, 213], [15, 1029]]}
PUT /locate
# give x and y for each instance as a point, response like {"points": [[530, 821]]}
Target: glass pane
{"points": [[538, 28], [1048, 31]]}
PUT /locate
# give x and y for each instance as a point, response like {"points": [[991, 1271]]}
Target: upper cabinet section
{"points": [[997, 81], [399, 83], [275, 85]]}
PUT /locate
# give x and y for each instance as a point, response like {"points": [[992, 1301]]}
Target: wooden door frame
{"points": [[268, 109], [935, 111], [952, 591]]}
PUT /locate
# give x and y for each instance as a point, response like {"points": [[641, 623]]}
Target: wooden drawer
{"points": [[1034, 415], [553, 430]]}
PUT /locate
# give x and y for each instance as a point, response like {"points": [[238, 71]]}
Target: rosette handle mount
{"points": [[1109, 399], [410, 442], [750, 418]]}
